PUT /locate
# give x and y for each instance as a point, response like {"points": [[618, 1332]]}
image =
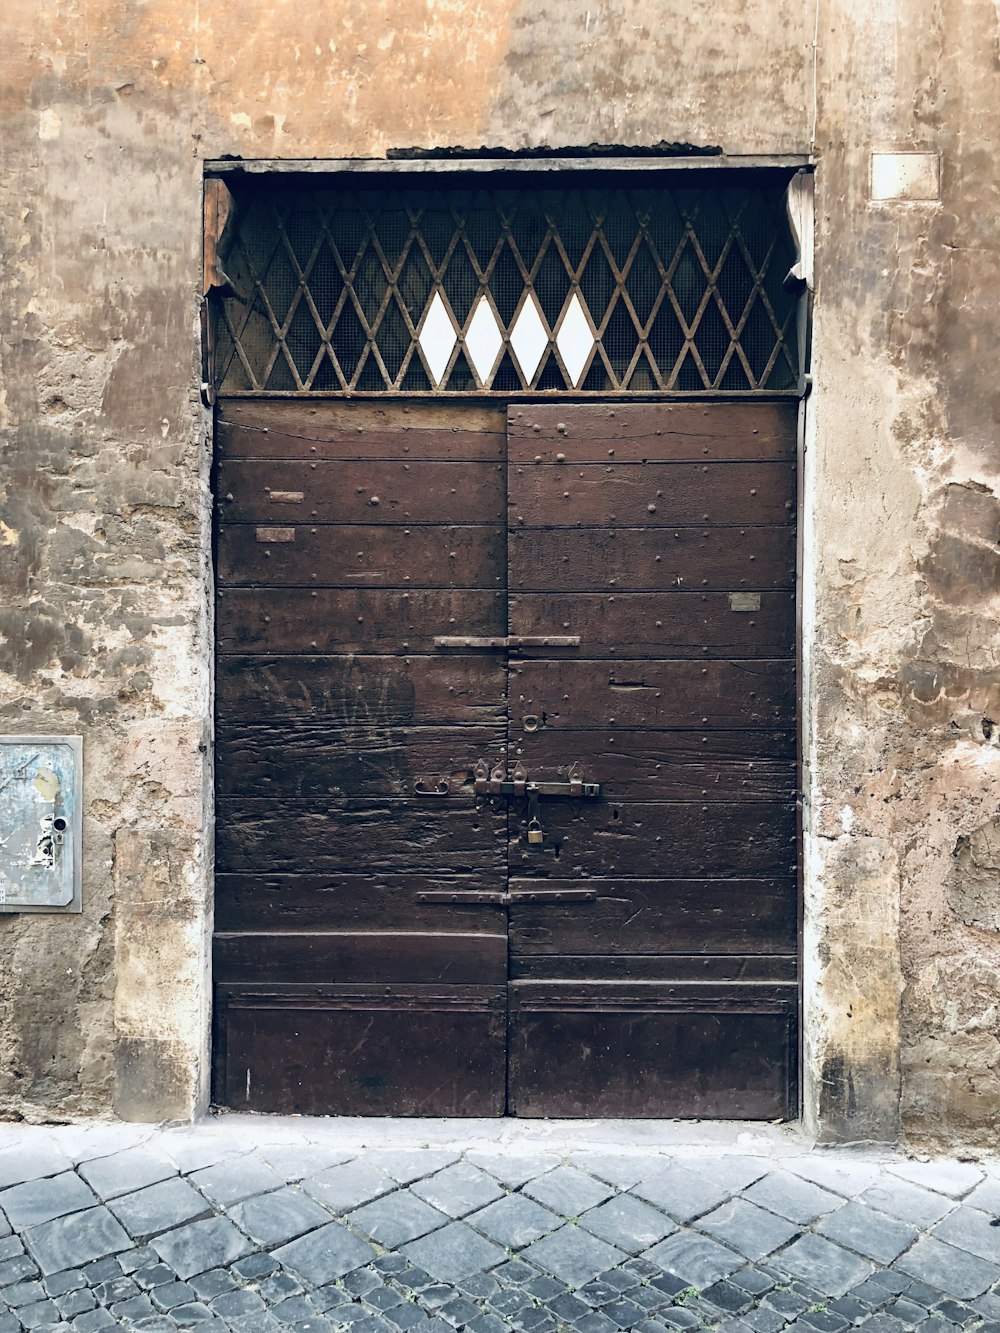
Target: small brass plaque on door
{"points": [[275, 534], [744, 601]]}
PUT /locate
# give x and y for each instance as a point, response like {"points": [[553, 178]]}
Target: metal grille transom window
{"points": [[448, 286]]}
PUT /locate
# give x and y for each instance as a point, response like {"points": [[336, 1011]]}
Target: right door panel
{"points": [[663, 537]]}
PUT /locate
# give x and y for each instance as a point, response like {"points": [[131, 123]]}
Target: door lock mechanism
{"points": [[494, 782]]}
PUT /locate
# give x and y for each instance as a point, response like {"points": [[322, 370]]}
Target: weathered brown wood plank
{"points": [[654, 694], [689, 840], [360, 902], [358, 492], [645, 765], [361, 555], [349, 957], [355, 836], [267, 758], [655, 495], [352, 430], [352, 620], [654, 967], [634, 432], [658, 916], [363, 691], [659, 624], [657, 559]]}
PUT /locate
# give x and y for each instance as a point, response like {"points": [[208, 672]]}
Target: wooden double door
{"points": [[439, 629]]}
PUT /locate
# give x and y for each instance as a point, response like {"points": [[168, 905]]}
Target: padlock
{"points": [[536, 834]]}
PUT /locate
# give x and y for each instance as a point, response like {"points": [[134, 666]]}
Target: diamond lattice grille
{"points": [[444, 289]]}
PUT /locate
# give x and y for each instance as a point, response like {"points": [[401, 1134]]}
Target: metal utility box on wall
{"points": [[41, 823]]}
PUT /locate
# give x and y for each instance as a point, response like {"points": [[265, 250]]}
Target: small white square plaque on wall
{"points": [[41, 823], [905, 177]]}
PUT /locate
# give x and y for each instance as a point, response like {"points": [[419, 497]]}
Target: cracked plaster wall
{"points": [[109, 108]]}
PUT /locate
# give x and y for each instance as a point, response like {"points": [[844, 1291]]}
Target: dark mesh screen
{"points": [[668, 289]]}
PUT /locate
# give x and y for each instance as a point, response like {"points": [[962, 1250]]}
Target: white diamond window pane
{"points": [[437, 338], [575, 339], [483, 340], [529, 338]]}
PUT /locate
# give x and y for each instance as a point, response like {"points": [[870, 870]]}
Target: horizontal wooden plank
{"points": [[639, 559], [326, 428], [637, 432], [363, 555], [659, 624], [352, 620], [590, 1053], [691, 840], [636, 693], [328, 758], [643, 765], [361, 691], [418, 1050], [379, 957], [358, 492], [656, 495], [660, 916], [260, 834], [369, 901], [600, 968]]}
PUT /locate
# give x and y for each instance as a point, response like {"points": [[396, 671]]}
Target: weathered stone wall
{"points": [[109, 109]]}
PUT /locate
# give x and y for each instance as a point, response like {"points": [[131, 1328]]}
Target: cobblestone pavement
{"points": [[257, 1224]]}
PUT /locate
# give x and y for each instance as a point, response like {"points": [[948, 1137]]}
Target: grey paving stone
{"points": [[406, 1166], [70, 1241], [115, 1289], [986, 1196], [573, 1255], [945, 1176], [154, 1275], [951, 1270], [513, 1169], [972, 1230], [394, 1219], [325, 1254], [343, 1188], [458, 1189], [733, 1170], [255, 1266], [23, 1293], [94, 1321], [193, 1149], [168, 1295], [198, 1246], [898, 1198], [19, 1164], [57, 1284], [617, 1169], [453, 1253], [75, 1302], [828, 1267], [125, 1172], [134, 1309], [191, 1315], [236, 1179], [272, 1219], [361, 1280], [42, 1312], [697, 1260], [140, 1257], [567, 1191], [41, 1200], [752, 1231], [240, 1304], [294, 1162], [158, 1207], [102, 1270], [871, 1233], [683, 1194], [792, 1197], [514, 1221], [838, 1171], [628, 1223]]}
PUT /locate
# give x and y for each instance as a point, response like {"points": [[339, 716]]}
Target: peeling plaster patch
{"points": [[974, 879], [241, 120], [908, 177], [8, 537], [49, 124]]}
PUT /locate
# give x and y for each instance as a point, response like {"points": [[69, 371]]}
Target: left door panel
{"points": [[348, 537]]}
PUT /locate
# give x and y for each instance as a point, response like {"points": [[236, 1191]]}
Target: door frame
{"points": [[813, 1019]]}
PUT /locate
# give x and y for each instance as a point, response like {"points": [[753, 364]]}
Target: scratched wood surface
{"points": [[349, 537], [633, 528]]}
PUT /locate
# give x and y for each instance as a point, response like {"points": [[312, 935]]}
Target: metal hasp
{"points": [[495, 783], [41, 823]]}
